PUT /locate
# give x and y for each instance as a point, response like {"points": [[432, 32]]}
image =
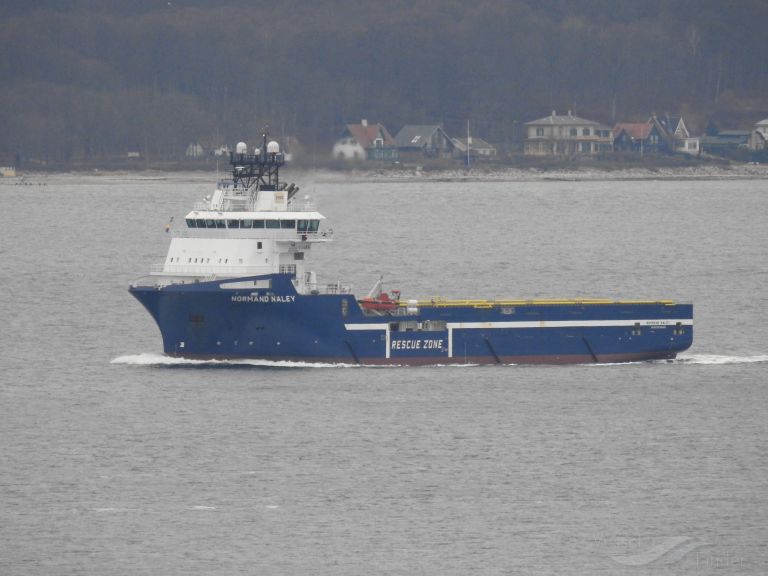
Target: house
{"points": [[636, 137], [566, 135], [479, 149], [194, 150], [424, 141], [759, 136], [758, 140], [365, 142], [675, 135], [762, 127], [725, 141], [222, 151]]}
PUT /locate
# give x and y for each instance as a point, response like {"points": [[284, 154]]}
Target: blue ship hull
{"points": [[213, 320]]}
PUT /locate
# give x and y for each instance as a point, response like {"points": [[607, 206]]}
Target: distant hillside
{"points": [[99, 78]]}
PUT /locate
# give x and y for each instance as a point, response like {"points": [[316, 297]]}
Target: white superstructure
{"points": [[251, 225]]}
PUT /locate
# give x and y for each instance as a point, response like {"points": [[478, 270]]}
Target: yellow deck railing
{"points": [[441, 303]]}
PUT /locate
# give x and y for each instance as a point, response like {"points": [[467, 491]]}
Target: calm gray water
{"points": [[116, 461]]}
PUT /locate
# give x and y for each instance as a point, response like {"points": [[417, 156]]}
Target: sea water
{"points": [[117, 460]]}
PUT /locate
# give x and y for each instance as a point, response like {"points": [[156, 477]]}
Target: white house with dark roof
{"points": [[478, 148], [762, 127], [566, 135]]}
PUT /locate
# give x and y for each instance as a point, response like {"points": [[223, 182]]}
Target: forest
{"points": [[95, 79]]}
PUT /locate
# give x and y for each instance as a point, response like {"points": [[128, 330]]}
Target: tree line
{"points": [[85, 79]]}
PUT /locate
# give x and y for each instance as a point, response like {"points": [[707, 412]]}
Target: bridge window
{"points": [[210, 224], [200, 223], [191, 223], [258, 223], [233, 223], [220, 224], [308, 225], [272, 224], [287, 224], [246, 223]]}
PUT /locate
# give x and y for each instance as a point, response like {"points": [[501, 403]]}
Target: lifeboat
{"points": [[382, 302]]}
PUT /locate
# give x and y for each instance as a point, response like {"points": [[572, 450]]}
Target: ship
{"points": [[235, 285]]}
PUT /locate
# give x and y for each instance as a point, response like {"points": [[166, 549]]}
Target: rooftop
{"points": [[562, 120]]}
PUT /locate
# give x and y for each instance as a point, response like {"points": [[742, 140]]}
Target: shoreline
{"points": [[485, 173], [741, 172]]}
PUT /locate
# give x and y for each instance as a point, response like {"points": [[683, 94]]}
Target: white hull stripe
{"points": [[380, 326], [541, 324]]}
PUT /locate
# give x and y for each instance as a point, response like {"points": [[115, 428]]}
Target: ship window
{"points": [[233, 223], [273, 223], [287, 224], [344, 307], [191, 223], [258, 245], [298, 255], [303, 225], [200, 223], [220, 224], [313, 225], [246, 223], [210, 224], [258, 223]]}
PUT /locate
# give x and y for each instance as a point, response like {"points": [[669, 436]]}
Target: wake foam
{"points": [[149, 359], [714, 359], [160, 360]]}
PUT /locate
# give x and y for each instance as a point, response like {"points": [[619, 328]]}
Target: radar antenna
{"points": [[262, 168]]}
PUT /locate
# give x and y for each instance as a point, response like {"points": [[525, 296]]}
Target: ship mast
{"points": [[262, 168]]}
